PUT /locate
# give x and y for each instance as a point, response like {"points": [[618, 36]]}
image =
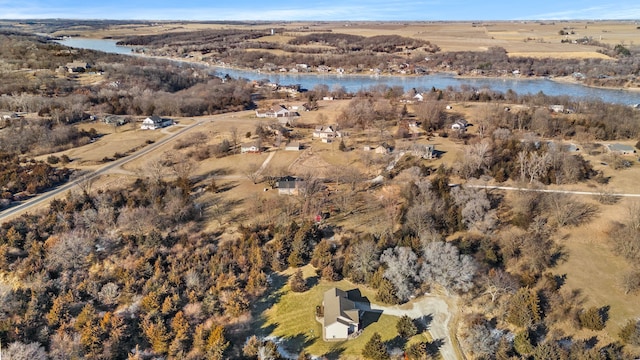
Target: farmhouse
{"points": [[341, 318], [557, 108], [155, 122], [326, 133], [460, 125], [251, 148], [77, 66], [276, 112], [115, 120]]}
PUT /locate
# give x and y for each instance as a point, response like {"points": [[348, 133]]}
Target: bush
{"points": [[297, 282], [591, 319], [630, 333], [52, 159]]}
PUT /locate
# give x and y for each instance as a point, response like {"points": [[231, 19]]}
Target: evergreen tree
{"points": [[523, 308], [630, 333], [387, 292], [216, 343], [297, 282], [375, 349], [406, 328], [342, 146], [591, 319], [157, 335], [417, 351], [522, 342]]}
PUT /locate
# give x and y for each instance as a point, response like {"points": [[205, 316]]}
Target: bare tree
{"points": [[109, 293], [497, 282], [70, 251], [533, 165], [362, 260], [252, 172], [349, 175], [476, 208], [431, 113], [402, 269], [155, 170], [477, 158], [482, 339], [443, 264], [567, 211], [21, 351]]}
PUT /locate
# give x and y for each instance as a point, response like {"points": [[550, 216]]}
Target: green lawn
{"points": [[292, 319]]}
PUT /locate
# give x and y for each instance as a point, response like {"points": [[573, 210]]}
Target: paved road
{"points": [[41, 198], [427, 306]]}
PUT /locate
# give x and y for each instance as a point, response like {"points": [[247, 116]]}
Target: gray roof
{"points": [[622, 148], [338, 308]]}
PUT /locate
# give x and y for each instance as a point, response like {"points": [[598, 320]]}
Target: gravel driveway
{"points": [[432, 307]]}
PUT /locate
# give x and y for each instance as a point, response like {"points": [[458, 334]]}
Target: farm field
{"points": [[520, 38]]}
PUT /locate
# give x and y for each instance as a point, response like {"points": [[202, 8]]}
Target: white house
{"points": [[252, 148], [341, 318], [155, 122], [275, 112], [557, 108], [326, 133], [460, 124]]}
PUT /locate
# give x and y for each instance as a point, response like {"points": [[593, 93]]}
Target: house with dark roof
{"points": [[288, 185], [341, 317]]}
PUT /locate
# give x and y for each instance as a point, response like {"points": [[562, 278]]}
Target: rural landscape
{"points": [[155, 206]]}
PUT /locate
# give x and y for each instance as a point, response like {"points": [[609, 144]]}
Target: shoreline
{"points": [[453, 74], [558, 79]]}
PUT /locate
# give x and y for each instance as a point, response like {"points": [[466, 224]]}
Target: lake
{"points": [[353, 83]]}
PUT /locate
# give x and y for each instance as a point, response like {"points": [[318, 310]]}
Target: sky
{"points": [[372, 10]]}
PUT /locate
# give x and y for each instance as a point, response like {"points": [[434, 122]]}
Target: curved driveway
{"points": [[428, 306]]}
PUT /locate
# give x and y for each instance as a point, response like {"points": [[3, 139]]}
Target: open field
{"points": [[520, 38]]}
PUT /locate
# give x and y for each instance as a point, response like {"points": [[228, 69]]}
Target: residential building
{"points": [[155, 122], [341, 317]]}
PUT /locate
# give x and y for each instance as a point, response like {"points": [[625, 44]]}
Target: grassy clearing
{"points": [[595, 269], [292, 318]]}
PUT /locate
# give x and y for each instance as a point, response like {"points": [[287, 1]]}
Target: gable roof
{"points": [[338, 308]]}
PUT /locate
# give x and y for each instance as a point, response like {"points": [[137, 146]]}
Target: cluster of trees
{"points": [[169, 281], [496, 62], [30, 177], [41, 137], [131, 86], [347, 43], [204, 41]]}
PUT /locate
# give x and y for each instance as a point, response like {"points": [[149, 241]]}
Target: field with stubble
{"points": [[536, 39]]}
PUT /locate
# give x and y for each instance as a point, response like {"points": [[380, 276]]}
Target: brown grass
{"points": [[530, 38]]}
